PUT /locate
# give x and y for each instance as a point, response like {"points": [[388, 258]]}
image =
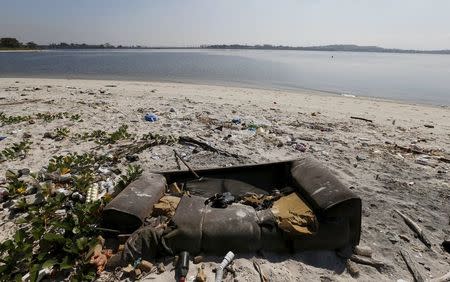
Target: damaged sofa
{"points": [[280, 207]]}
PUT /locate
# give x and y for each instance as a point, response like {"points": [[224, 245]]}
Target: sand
{"points": [[362, 154]]}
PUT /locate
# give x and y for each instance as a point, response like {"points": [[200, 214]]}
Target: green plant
{"points": [[15, 151], [61, 133], [56, 238], [133, 172], [47, 117], [12, 119], [76, 117]]}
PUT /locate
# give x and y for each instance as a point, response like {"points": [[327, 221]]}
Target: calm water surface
{"points": [[409, 77]]}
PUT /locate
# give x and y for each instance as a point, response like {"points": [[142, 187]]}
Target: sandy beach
{"points": [[395, 159]]}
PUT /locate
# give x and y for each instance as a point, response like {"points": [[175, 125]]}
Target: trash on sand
{"points": [[4, 193], [166, 206], [151, 117], [294, 215], [221, 200], [236, 120], [201, 276], [280, 213], [100, 256], [92, 193], [2, 138], [145, 266], [219, 271], [161, 268], [183, 266], [300, 147], [197, 259]]}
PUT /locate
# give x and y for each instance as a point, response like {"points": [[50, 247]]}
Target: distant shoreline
{"points": [[19, 50]]}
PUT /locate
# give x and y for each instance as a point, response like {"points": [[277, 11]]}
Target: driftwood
{"points": [[360, 118], [412, 266], [416, 228], [186, 164], [367, 261], [262, 277], [205, 146]]}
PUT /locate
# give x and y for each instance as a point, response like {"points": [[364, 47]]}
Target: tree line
{"points": [[13, 43]]}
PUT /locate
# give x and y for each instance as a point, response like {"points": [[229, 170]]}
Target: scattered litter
{"points": [[92, 193], [151, 117], [172, 110], [236, 120], [360, 158], [161, 268], [219, 271], [2, 138], [145, 266], [294, 215], [166, 206], [197, 259], [183, 266], [3, 194], [132, 158], [428, 126], [201, 276], [300, 147]]}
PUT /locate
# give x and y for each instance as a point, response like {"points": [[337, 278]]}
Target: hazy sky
{"points": [[418, 24]]}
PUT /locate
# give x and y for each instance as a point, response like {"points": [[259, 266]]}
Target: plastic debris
{"points": [[92, 193], [197, 259], [219, 271], [2, 138], [221, 200], [161, 268], [260, 130], [145, 266], [201, 276], [183, 266], [236, 120], [3, 194], [151, 117], [300, 147]]}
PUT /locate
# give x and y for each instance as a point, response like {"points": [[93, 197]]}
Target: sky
{"points": [[407, 24]]}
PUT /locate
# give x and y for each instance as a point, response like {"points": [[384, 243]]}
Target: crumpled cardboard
{"points": [[294, 215]]}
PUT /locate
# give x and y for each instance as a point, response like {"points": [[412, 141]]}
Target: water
{"points": [[410, 77]]}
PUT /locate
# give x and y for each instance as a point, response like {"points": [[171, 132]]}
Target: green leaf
{"points": [[34, 272], [19, 236], [65, 264], [82, 243], [52, 237], [49, 263]]}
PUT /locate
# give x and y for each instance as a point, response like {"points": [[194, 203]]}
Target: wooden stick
{"points": [[367, 261], [415, 227], [261, 274], [177, 160], [205, 146], [186, 164], [412, 266], [364, 119]]}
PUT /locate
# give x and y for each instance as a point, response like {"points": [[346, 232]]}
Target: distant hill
{"points": [[341, 48]]}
